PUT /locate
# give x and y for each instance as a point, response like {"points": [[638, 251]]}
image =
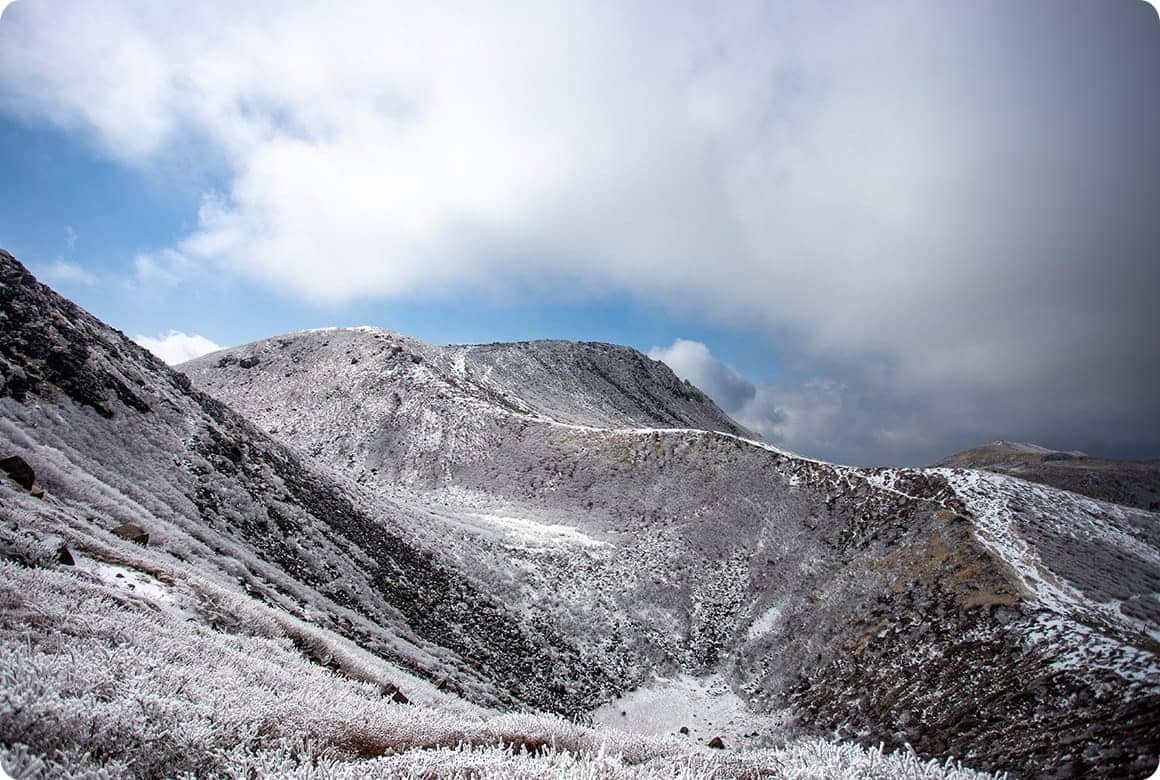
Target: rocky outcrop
{"points": [[51, 345]]}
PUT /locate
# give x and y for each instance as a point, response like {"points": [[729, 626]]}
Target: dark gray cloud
{"points": [[942, 215]]}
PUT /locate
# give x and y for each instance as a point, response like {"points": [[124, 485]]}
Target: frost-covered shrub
{"points": [[20, 762], [96, 679], [28, 549]]}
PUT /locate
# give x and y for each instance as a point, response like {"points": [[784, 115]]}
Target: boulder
{"points": [[21, 473], [64, 556], [717, 743], [132, 532], [685, 730]]}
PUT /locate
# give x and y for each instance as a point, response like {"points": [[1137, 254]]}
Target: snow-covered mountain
{"points": [[963, 614], [337, 515], [1129, 482]]}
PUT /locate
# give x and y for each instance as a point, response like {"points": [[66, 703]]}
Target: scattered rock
{"points": [[392, 692], [23, 474], [64, 556], [685, 730], [132, 532], [717, 743]]}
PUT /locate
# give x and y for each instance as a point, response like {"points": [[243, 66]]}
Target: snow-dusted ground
{"points": [[534, 527], [705, 706], [185, 678], [1081, 620]]}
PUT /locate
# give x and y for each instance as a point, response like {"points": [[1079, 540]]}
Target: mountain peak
{"points": [[569, 382]]}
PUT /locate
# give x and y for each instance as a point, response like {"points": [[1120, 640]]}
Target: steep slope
{"points": [[587, 383], [1006, 624], [116, 436], [1128, 482]]}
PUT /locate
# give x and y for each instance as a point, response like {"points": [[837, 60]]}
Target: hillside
{"points": [[980, 617], [182, 594], [1128, 482]]}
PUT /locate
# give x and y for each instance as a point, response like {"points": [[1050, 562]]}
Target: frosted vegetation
{"points": [[176, 675]]}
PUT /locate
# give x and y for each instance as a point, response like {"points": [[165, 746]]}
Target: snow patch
{"points": [[706, 706], [534, 533]]}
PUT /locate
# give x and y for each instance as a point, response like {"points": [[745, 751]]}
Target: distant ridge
{"points": [[1128, 482]]}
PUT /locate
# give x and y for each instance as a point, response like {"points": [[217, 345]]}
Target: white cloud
{"points": [[692, 360], [756, 406], [62, 272], [950, 194], [161, 269], [176, 347]]}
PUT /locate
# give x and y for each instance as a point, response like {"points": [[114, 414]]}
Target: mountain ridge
{"points": [[1133, 483], [442, 523]]}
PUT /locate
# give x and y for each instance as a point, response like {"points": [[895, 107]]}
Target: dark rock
{"points": [[685, 730], [132, 532], [18, 468], [64, 556], [392, 692], [717, 743]]}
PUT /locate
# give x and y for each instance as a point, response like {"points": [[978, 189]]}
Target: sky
{"points": [[875, 233]]}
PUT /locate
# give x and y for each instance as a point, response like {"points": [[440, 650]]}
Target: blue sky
{"points": [[69, 205], [875, 233]]}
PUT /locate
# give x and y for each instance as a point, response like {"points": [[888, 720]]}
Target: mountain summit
{"points": [[364, 393]]}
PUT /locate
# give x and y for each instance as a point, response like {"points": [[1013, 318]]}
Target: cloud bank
{"points": [[176, 347], [941, 215]]}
